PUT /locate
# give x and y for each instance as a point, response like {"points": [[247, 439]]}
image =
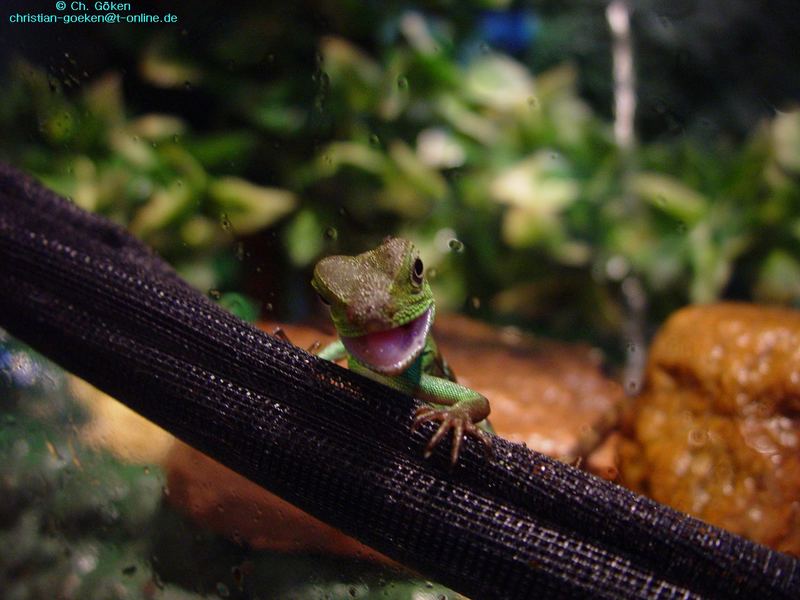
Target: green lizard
{"points": [[383, 308]]}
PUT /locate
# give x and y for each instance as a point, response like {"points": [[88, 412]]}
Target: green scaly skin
{"points": [[376, 294]]}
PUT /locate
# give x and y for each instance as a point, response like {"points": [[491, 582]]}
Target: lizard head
{"points": [[380, 303]]}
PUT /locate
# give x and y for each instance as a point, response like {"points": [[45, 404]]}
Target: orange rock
{"points": [[716, 431], [232, 505], [552, 396]]}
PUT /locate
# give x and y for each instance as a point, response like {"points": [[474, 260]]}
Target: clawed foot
{"points": [[279, 333], [450, 418]]}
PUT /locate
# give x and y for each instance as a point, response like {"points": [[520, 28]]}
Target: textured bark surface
{"points": [[337, 445]]}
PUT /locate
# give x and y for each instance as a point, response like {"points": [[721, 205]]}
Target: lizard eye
{"points": [[417, 272], [322, 299]]}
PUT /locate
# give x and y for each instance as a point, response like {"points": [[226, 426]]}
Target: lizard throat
{"points": [[392, 351]]}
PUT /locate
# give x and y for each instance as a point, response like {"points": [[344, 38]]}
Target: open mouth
{"points": [[392, 351]]}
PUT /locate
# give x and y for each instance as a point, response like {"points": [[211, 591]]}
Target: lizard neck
{"points": [[406, 381]]}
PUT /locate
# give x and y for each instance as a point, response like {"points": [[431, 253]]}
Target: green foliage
{"points": [[552, 217], [147, 172], [415, 128]]}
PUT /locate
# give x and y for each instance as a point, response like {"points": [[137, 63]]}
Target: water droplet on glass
{"points": [[697, 438], [331, 233], [268, 306], [225, 222], [456, 245], [240, 251], [402, 82]]}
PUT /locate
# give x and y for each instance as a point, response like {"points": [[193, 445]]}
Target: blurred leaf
{"points": [[428, 181], [786, 139], [540, 184], [465, 121], [250, 207], [199, 272], [199, 232], [304, 238], [104, 100], [523, 228], [671, 196], [164, 207], [438, 149], [60, 124], [155, 127], [354, 70], [712, 261], [353, 154], [86, 192], [167, 72], [239, 305], [277, 117], [133, 149], [779, 279], [183, 165], [221, 148], [500, 83]]}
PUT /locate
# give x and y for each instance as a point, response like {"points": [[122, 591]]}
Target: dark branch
{"points": [[86, 294]]}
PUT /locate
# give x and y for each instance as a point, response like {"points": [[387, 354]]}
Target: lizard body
{"points": [[382, 307]]}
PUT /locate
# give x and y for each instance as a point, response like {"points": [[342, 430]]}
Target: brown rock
{"points": [[227, 503], [552, 396], [716, 431]]}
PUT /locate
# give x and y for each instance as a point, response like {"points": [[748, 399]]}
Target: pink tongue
{"points": [[390, 350]]}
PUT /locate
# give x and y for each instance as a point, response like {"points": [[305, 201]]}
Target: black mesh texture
{"points": [[518, 525]]}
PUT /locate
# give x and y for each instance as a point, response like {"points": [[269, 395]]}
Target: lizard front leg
{"points": [[456, 408], [332, 352]]}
